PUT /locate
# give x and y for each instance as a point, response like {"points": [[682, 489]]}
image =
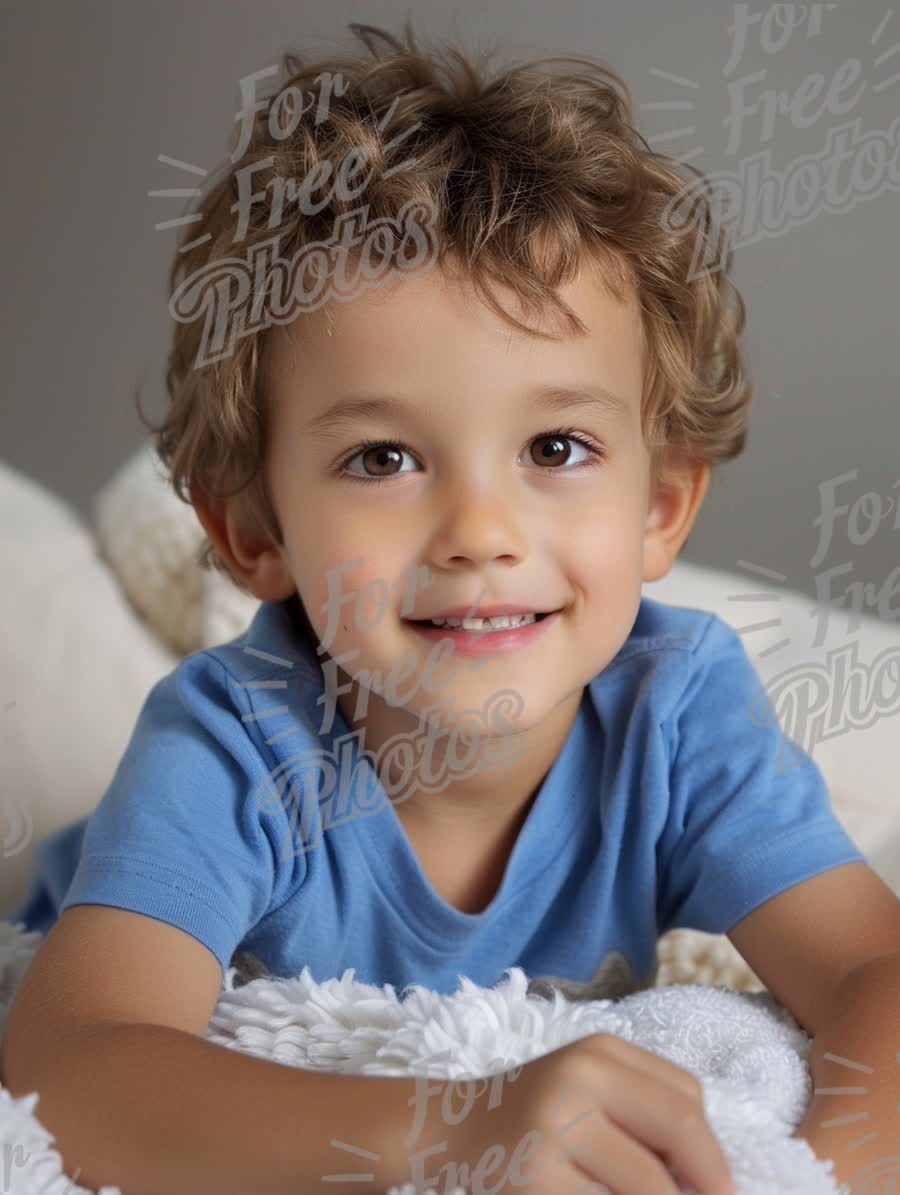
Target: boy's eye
{"points": [[556, 449], [387, 456], [552, 451]]}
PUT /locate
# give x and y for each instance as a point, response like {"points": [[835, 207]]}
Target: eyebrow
{"points": [[346, 412]]}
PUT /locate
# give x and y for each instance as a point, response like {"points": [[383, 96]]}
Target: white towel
{"points": [[749, 1053]]}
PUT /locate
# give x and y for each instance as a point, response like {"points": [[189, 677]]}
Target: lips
{"points": [[487, 643]]}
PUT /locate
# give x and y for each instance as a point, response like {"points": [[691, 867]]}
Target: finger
{"points": [[669, 1123], [653, 1065], [677, 1131], [607, 1160]]}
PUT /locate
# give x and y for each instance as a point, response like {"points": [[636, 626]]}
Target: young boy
{"points": [[520, 424]]}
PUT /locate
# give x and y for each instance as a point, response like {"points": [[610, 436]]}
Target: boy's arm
{"points": [[107, 1027], [852, 1118], [159, 1111], [828, 949]]}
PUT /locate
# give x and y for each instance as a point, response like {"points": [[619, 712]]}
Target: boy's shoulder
{"points": [[670, 652], [266, 679], [272, 645], [662, 630]]}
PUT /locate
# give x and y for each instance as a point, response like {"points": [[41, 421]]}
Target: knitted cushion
{"points": [[75, 666], [150, 539]]}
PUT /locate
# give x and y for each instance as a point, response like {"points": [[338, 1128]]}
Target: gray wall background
{"points": [[96, 89]]}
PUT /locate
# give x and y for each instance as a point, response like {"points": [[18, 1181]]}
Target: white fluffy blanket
{"points": [[747, 1050]]}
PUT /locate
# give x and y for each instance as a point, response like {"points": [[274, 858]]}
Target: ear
{"points": [[255, 561], [677, 493]]}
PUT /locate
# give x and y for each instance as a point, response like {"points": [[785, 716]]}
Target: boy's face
{"points": [[464, 492]]}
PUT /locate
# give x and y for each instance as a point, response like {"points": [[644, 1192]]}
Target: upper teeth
{"points": [[480, 624]]}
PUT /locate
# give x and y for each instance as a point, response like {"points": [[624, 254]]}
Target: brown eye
{"points": [[555, 451], [383, 461], [384, 458]]}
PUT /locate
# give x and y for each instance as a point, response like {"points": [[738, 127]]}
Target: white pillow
{"points": [[150, 539], [76, 663]]}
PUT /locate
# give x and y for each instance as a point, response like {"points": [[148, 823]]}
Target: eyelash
{"points": [[566, 433]]}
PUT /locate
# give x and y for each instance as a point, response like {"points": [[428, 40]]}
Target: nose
{"points": [[478, 525]]}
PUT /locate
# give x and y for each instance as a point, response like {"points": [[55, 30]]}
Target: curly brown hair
{"points": [[530, 172]]}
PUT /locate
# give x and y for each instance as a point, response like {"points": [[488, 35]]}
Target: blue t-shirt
{"points": [[676, 801]]}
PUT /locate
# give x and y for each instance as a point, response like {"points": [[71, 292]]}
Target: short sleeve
{"points": [[179, 834], [749, 812]]}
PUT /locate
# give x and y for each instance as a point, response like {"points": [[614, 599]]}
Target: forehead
{"points": [[435, 326]]}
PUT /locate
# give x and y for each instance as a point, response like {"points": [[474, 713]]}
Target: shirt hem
{"points": [[731, 894], [168, 895]]}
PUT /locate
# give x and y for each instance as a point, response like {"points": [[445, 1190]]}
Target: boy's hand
{"points": [[597, 1115]]}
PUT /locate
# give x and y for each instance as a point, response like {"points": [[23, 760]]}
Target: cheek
{"points": [[349, 592], [603, 535], [605, 548]]}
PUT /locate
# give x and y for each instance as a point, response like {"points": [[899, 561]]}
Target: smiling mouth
{"points": [[426, 622]]}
